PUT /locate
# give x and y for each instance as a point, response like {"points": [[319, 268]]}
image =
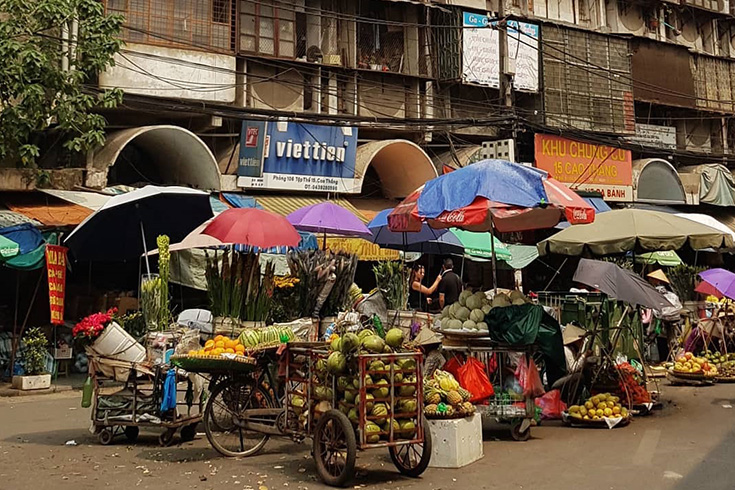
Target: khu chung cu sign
{"points": [[298, 157]]}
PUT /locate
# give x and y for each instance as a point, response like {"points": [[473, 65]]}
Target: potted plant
{"points": [[34, 362]]}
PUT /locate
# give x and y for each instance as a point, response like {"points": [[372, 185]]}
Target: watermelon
{"points": [[249, 338]]}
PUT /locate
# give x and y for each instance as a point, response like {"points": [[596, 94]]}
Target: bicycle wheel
{"points": [[225, 406]]}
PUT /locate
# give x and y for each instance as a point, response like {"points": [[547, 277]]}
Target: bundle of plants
{"points": [[391, 279]]}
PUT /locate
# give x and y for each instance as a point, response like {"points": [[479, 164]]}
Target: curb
{"points": [[8, 392]]}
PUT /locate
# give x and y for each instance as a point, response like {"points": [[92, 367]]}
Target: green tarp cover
{"points": [[667, 258], [35, 259], [530, 324], [716, 184]]}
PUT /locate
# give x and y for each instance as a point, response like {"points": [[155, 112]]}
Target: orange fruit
{"points": [[217, 351], [220, 344], [209, 344], [191, 353], [239, 354], [229, 344], [230, 351], [219, 337], [239, 348]]}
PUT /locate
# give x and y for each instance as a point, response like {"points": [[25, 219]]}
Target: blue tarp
{"points": [[25, 235], [241, 201]]}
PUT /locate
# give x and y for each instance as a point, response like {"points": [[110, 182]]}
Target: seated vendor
{"points": [[574, 343], [430, 344]]}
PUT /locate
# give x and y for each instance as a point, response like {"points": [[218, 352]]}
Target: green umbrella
{"points": [[8, 248], [625, 230], [478, 244], [666, 258]]}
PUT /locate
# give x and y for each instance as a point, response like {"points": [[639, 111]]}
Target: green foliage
{"points": [[235, 286], [134, 324], [164, 263], [34, 351], [683, 280], [35, 92], [392, 281]]}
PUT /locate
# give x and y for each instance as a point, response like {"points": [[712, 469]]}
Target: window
{"points": [[198, 24], [380, 46], [267, 27]]}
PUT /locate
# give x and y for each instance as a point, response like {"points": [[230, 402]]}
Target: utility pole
{"points": [[504, 80]]}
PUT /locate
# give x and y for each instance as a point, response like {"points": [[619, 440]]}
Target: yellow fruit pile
{"points": [[219, 345], [690, 364], [599, 407]]}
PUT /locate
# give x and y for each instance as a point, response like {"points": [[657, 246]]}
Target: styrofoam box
{"points": [[456, 442]]}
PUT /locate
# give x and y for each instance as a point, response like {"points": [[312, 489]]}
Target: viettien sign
{"points": [[56, 268], [587, 166], [298, 157]]}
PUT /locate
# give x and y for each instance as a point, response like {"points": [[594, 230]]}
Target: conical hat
{"points": [[427, 337], [659, 274], [572, 333]]}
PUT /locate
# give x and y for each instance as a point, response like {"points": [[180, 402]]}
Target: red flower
{"points": [[92, 326]]}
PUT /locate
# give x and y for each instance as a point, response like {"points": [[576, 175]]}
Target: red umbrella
{"points": [[563, 203], [253, 227]]}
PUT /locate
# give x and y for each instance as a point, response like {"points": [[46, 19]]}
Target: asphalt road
{"points": [[689, 445]]}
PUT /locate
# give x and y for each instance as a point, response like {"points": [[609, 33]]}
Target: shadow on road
{"points": [[715, 471], [54, 438]]}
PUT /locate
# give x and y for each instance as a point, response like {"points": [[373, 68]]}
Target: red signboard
{"points": [[56, 267]]}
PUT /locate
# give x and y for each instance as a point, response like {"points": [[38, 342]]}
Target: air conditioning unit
{"points": [[625, 18], [694, 135], [682, 29]]}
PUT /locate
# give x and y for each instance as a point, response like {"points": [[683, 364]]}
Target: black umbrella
{"points": [[619, 283], [127, 225]]}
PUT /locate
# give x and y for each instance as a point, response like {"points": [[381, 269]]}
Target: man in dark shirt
{"points": [[450, 285]]}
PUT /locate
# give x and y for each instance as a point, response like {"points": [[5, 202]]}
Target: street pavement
{"points": [[690, 444]]}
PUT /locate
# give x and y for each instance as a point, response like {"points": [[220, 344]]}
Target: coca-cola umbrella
{"points": [[459, 199]]}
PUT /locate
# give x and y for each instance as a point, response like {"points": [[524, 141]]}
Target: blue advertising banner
{"points": [[305, 157], [252, 143]]}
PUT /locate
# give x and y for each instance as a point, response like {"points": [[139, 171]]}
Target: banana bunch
{"points": [[285, 282]]}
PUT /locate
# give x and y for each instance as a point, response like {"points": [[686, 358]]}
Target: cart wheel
{"points": [[188, 432], [413, 459], [105, 436], [225, 405], [335, 449], [131, 433], [515, 431], [166, 437]]}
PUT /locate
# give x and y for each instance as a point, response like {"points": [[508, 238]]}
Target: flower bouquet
{"points": [[91, 327]]}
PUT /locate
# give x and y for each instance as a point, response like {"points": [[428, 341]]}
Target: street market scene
{"points": [[266, 244]]}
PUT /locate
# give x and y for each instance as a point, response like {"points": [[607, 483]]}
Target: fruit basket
{"points": [[464, 334], [687, 376], [603, 423], [214, 364], [354, 395], [725, 379], [602, 410]]}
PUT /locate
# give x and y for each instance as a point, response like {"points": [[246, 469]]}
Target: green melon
{"points": [[372, 432], [463, 297], [477, 315], [455, 324], [463, 313], [469, 325], [473, 303], [384, 389], [482, 326], [380, 410], [486, 309]]}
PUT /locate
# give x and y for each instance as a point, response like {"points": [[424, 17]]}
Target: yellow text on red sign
{"points": [[571, 161]]}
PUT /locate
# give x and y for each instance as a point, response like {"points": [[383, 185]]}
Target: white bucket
{"points": [[116, 343]]}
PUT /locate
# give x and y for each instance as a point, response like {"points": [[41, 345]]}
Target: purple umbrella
{"points": [[722, 280], [328, 218]]}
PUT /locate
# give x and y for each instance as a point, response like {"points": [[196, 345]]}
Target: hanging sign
{"points": [[56, 267]]}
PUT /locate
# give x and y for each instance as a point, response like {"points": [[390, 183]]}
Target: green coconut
{"points": [[372, 432], [394, 337], [383, 390], [380, 410], [336, 363], [335, 345], [375, 344], [369, 402], [477, 315], [350, 342], [353, 415], [343, 383], [408, 428]]}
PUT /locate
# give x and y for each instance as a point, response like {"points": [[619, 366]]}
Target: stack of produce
{"points": [[599, 407], [468, 313], [390, 399], [259, 338], [218, 346], [688, 363], [445, 398], [631, 385], [716, 358], [726, 370]]}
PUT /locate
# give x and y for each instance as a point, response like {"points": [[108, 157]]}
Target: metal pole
{"points": [[492, 251], [145, 249]]}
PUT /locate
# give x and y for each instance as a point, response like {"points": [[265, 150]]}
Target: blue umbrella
{"points": [[495, 180], [399, 240]]}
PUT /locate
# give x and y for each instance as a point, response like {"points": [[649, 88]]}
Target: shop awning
{"points": [[46, 209], [371, 207], [89, 200], [285, 205], [656, 181], [364, 249], [716, 184]]}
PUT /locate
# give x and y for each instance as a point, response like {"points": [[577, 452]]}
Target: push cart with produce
{"points": [[505, 405], [118, 410], [350, 402]]}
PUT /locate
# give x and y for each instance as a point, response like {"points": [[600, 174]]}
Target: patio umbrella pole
{"points": [[492, 252]]}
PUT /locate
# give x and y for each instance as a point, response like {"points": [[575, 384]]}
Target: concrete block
{"points": [[456, 442], [39, 382]]}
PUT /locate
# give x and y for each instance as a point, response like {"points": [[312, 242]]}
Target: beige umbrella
{"points": [[624, 230], [195, 239]]}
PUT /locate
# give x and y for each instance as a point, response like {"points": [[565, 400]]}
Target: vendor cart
{"points": [[342, 424], [128, 396], [517, 410]]}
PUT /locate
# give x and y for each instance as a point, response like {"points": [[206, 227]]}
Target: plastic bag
{"points": [[473, 378], [551, 405], [452, 366], [528, 375]]}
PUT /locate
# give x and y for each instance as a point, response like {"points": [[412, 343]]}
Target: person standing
{"points": [[417, 290], [450, 285]]}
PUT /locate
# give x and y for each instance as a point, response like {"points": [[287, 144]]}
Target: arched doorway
{"points": [[657, 182], [154, 154], [400, 165]]}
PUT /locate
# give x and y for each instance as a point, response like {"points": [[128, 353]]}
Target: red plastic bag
{"points": [[529, 378], [452, 366], [473, 378], [551, 405]]}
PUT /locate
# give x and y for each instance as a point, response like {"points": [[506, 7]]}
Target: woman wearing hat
{"points": [[430, 344], [662, 324], [571, 384]]}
